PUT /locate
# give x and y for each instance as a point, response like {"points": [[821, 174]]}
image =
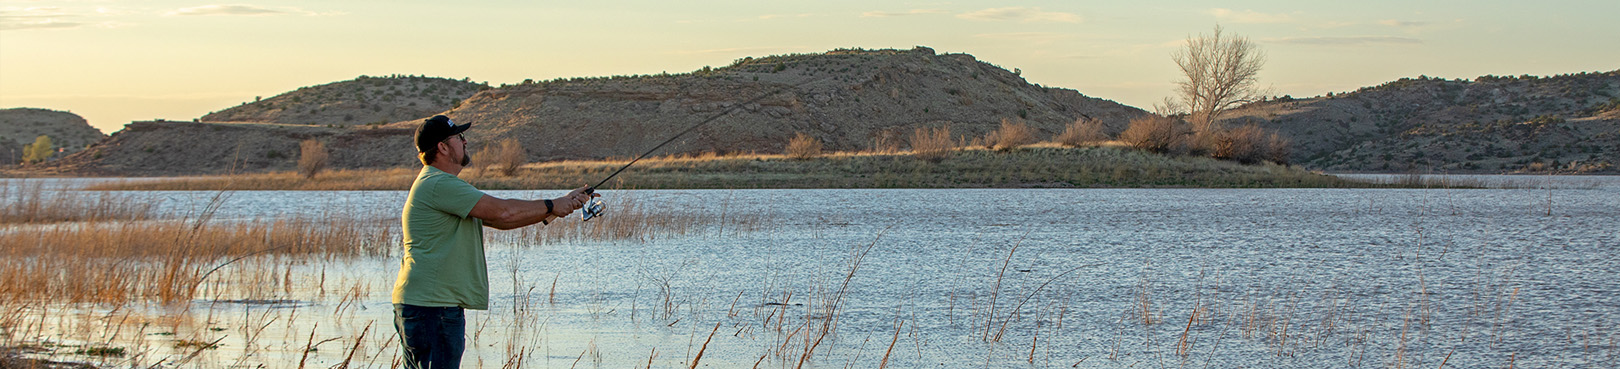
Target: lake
{"points": [[1000, 278]]}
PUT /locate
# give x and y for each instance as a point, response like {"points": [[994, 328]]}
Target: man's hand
{"points": [[562, 206]]}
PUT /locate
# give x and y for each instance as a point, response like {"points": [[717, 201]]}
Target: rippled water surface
{"points": [[1107, 278]]}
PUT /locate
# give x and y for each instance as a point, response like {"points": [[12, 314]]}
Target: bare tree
{"points": [[1221, 73], [312, 157]]}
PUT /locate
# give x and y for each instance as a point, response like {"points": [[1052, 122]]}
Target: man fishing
{"points": [[443, 272]]}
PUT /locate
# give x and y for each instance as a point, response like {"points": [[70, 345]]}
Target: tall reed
{"points": [[24, 201]]}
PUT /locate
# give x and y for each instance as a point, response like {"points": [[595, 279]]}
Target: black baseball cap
{"points": [[435, 129]]}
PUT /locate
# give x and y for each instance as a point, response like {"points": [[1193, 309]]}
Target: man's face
{"points": [[456, 147]]}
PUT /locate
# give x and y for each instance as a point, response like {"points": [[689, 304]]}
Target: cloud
{"points": [[36, 18], [775, 16], [1020, 14], [1401, 23], [1249, 16], [1347, 41], [234, 10], [883, 14]]}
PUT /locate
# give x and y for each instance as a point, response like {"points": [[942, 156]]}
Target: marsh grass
{"points": [[331, 180], [28, 202]]}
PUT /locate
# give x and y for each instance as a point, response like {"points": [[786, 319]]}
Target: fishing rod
{"points": [[593, 208]]}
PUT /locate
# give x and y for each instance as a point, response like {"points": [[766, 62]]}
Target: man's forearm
{"points": [[521, 213]]}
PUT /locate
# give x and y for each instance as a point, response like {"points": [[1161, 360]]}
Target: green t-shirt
{"points": [[444, 248]]}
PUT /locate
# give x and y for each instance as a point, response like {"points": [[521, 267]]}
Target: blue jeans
{"points": [[431, 337]]}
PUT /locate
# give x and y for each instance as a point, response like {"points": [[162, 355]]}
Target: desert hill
{"points": [[850, 99], [21, 126], [159, 148], [364, 100], [1489, 124]]}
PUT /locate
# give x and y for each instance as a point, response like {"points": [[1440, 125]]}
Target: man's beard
{"points": [[466, 159]]}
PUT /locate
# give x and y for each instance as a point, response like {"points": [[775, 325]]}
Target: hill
{"points": [[364, 100], [160, 148], [21, 126], [850, 99], [1490, 124]]}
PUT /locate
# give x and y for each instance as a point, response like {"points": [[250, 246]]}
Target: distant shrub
{"points": [[38, 151], [509, 155], [1247, 144], [312, 157], [1082, 132], [1012, 135], [1278, 148], [932, 144], [802, 146], [1155, 134]]}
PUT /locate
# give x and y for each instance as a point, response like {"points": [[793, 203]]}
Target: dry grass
{"points": [[803, 147], [30, 202], [932, 144], [340, 180], [1083, 132], [1012, 135], [163, 261]]}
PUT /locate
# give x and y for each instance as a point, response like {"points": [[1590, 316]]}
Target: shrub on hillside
{"points": [[312, 157], [1012, 134], [1155, 134], [932, 144], [509, 155], [802, 146], [1082, 132]]}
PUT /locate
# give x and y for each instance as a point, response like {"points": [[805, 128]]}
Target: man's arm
{"points": [[504, 214]]}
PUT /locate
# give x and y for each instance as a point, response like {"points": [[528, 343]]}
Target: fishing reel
{"points": [[592, 208]]}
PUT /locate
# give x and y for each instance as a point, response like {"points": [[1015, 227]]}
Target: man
{"points": [[443, 269]]}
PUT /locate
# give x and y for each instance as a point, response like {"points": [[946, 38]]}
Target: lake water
{"points": [[1100, 278]]}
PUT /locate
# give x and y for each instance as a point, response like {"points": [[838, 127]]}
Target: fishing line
{"points": [[593, 208]]}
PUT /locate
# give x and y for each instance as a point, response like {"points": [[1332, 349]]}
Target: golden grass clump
{"points": [[802, 147], [1082, 132], [1012, 135], [932, 144]]}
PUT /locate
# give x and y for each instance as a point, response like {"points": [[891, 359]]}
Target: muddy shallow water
{"points": [[1102, 278]]}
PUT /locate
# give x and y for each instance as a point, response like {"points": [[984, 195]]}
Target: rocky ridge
{"points": [[364, 100], [1567, 123]]}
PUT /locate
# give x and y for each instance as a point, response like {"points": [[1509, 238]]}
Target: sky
{"points": [[117, 61]]}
